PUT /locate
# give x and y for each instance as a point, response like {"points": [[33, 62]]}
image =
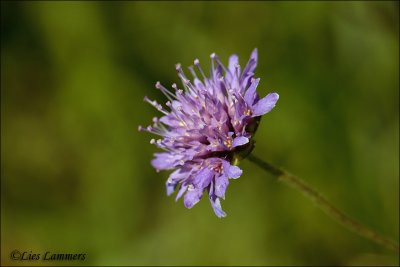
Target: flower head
{"points": [[208, 123]]}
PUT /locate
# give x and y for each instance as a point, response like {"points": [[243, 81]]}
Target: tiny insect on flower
{"points": [[209, 125]]}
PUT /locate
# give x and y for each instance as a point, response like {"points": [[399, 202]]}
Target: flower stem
{"points": [[324, 204]]}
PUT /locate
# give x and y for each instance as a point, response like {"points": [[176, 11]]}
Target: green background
{"points": [[76, 174]]}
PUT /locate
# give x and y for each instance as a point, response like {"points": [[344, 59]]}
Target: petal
{"points": [[170, 187], [221, 183], [233, 61], [211, 189], [198, 84], [246, 81], [265, 105], [231, 171], [165, 161], [179, 174], [234, 172], [251, 93], [254, 55], [181, 191], [169, 120], [203, 178], [174, 178], [251, 64], [239, 141], [192, 196], [232, 76], [216, 205], [176, 105]]}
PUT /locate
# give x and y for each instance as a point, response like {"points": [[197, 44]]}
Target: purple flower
{"points": [[209, 123]]}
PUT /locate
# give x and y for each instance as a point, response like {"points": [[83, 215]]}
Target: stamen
{"points": [[160, 108], [162, 126], [197, 64], [191, 69], [164, 90], [161, 144], [212, 56], [181, 74], [153, 103], [177, 91], [155, 130], [156, 105], [191, 87], [188, 86]]}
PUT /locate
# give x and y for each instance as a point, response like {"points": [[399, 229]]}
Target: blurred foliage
{"points": [[75, 172]]}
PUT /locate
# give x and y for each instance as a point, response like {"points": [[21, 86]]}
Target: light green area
{"points": [[76, 174]]}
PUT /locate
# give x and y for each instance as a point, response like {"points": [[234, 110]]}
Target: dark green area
{"points": [[76, 174]]}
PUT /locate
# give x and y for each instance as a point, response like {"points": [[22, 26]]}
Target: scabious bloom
{"points": [[210, 122]]}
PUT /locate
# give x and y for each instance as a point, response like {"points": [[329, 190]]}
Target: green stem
{"points": [[324, 204]]}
